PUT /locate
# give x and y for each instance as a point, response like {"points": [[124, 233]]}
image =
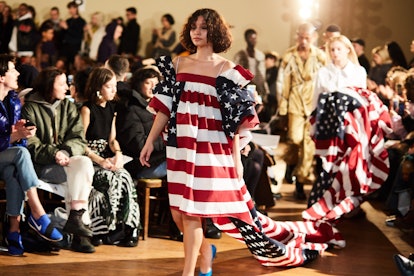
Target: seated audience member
{"points": [[113, 201], [58, 150], [252, 159], [134, 122], [381, 65], [93, 33], [411, 62], [400, 201], [108, 45], [399, 92], [16, 167], [120, 66], [396, 54], [359, 46], [164, 38], [256, 162], [77, 87], [45, 52]]}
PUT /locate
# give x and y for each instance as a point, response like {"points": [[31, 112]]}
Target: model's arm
{"points": [[160, 121]]}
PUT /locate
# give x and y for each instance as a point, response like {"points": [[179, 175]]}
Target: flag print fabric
{"points": [[205, 113], [348, 127]]}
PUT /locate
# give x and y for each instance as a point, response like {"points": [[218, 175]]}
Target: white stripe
{"points": [[206, 184], [202, 135], [207, 208], [201, 88], [200, 159], [166, 100], [203, 111]]}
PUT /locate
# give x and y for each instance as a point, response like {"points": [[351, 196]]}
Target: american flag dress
{"points": [[349, 128], [204, 115]]}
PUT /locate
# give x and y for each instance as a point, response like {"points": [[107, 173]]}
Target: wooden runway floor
{"points": [[369, 251]]}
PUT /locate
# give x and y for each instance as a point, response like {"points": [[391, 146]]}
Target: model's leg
{"points": [[193, 238], [206, 256]]}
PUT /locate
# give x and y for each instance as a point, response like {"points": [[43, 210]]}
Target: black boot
{"points": [[289, 177], [299, 193], [82, 244], [404, 265], [309, 255], [211, 232], [75, 226], [131, 237]]}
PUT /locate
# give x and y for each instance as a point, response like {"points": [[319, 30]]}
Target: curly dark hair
{"points": [[217, 31]]}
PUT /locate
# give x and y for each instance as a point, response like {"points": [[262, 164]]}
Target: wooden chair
{"points": [[144, 186]]}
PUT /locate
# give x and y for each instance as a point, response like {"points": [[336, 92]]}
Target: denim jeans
{"points": [[16, 169], [159, 171]]}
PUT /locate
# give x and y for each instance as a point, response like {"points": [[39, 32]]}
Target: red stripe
{"points": [[159, 106], [199, 98], [204, 195], [201, 171], [188, 77], [201, 122]]}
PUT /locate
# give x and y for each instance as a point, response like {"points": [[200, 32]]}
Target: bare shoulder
{"points": [[227, 64]]}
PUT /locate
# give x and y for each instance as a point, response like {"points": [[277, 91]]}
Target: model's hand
{"points": [[146, 154]]}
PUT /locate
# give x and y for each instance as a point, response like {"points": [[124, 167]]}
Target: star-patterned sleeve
{"points": [[164, 91], [237, 104]]}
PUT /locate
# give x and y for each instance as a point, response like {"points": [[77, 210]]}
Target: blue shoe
{"points": [[44, 228], [14, 244], [213, 251]]}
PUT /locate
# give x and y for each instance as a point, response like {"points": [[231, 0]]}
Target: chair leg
{"points": [[146, 213]]}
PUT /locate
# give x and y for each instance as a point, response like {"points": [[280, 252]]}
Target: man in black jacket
{"points": [[131, 34]]}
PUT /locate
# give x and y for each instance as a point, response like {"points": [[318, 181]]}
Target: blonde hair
{"points": [[382, 52], [352, 56], [396, 80]]}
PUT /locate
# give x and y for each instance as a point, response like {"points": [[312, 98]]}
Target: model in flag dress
{"points": [[349, 125], [206, 113]]}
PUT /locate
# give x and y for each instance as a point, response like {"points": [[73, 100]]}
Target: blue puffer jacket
{"points": [[9, 118]]}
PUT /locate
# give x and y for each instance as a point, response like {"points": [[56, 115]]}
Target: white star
{"points": [[234, 96], [165, 89], [173, 130]]}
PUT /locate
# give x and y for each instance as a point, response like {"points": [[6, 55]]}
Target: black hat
{"points": [[358, 41]]}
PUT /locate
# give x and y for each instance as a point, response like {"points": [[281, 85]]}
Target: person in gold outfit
{"points": [[295, 89]]}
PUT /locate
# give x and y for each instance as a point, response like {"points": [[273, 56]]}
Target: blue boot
{"points": [[14, 244], [213, 253]]}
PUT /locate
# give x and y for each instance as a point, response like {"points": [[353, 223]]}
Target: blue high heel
{"points": [[213, 251]]}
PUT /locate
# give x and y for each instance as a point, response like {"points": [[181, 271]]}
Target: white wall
{"points": [[262, 15], [274, 20]]}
